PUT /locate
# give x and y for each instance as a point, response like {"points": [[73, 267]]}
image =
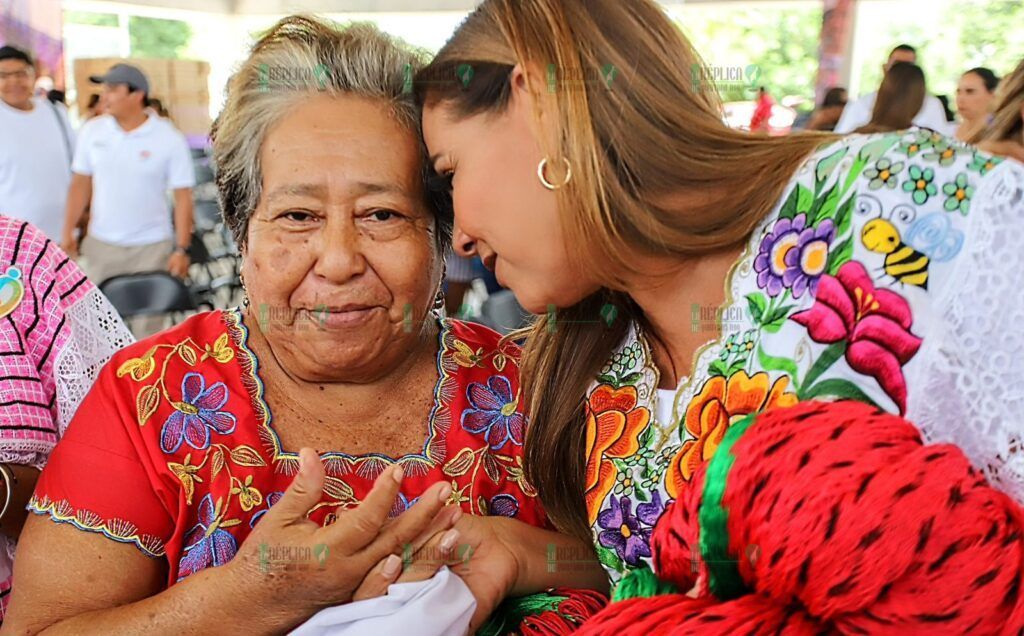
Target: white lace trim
{"points": [[96, 333], [969, 383]]}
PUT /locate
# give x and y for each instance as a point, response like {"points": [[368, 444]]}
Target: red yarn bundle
{"points": [[856, 526]]}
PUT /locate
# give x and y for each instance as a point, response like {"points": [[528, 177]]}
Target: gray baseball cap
{"points": [[123, 74]]}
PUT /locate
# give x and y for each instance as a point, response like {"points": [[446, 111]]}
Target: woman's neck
{"points": [[674, 303]]}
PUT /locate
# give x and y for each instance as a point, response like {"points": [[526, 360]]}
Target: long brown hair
{"points": [[899, 99], [1007, 123], [633, 112]]}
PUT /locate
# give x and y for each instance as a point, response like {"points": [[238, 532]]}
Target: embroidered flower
{"points": [[920, 184], [271, 499], [720, 404], [197, 413], [982, 163], [942, 151], [207, 543], [188, 474], [883, 174], [958, 194], [248, 496], [793, 255], [614, 423], [494, 413], [875, 323], [402, 503], [627, 533], [625, 483]]}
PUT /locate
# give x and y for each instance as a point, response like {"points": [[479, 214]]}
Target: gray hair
{"points": [[298, 56]]}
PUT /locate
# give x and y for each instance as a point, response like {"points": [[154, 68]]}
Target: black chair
{"points": [[147, 294]]}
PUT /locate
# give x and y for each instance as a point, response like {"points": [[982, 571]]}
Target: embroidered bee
{"points": [[12, 290], [908, 256]]}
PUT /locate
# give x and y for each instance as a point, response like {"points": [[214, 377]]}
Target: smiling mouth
{"points": [[341, 316]]}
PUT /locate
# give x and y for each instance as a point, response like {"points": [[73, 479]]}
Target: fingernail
{"points": [[397, 474], [392, 566], [449, 539], [446, 491]]}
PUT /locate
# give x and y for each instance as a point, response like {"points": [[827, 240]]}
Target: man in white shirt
{"points": [[36, 146], [858, 113], [124, 164]]}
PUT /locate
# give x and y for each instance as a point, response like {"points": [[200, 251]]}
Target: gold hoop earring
{"points": [[544, 180]]}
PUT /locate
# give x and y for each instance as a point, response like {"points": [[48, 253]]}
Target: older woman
{"points": [[178, 500]]}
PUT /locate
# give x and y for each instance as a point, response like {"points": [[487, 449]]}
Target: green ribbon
{"points": [[724, 578]]}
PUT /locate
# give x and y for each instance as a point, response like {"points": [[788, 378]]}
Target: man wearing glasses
{"points": [[36, 147]]}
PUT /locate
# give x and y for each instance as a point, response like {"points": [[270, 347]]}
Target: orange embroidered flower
{"points": [[614, 425], [720, 403]]}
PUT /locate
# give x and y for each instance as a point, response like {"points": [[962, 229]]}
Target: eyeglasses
{"points": [[22, 74]]}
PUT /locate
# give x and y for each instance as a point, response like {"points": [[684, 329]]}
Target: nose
{"points": [[339, 255], [462, 243]]}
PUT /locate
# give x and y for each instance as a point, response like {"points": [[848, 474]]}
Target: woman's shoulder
{"points": [[480, 338], [198, 337]]}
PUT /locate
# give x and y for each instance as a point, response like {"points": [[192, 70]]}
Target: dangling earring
{"points": [[245, 292], [543, 178]]}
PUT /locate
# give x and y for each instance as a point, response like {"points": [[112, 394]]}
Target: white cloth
{"points": [[35, 166], [858, 113], [131, 174], [439, 606]]}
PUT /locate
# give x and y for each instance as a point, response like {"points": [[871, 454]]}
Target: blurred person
{"points": [[761, 118], [56, 333], [125, 163], [1004, 134], [975, 94], [899, 99], [858, 113], [156, 106], [36, 146], [827, 115], [179, 513], [93, 107]]}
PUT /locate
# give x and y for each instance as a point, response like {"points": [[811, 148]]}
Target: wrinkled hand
{"points": [[338, 556], [477, 549], [178, 264]]}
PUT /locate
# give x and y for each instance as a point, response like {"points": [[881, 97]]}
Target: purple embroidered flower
{"points": [[402, 503], [494, 413], [205, 544], [196, 414], [504, 506], [271, 499], [627, 533], [793, 255]]}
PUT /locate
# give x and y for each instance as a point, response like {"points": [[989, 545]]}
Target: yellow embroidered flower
{"points": [[221, 351], [458, 494], [138, 368], [187, 473], [248, 496], [466, 357]]}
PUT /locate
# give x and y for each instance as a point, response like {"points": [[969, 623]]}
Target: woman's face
{"points": [[340, 265], [972, 98], [502, 211]]}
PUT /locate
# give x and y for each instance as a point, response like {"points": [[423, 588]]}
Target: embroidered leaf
{"points": [[718, 368], [777, 314], [824, 206], [840, 256], [187, 354], [736, 366], [227, 523], [146, 402], [608, 558], [871, 152], [827, 166], [338, 489], [837, 388], [606, 378], [216, 462], [756, 303], [246, 456], [799, 200], [491, 467], [827, 358], [499, 362], [844, 216], [772, 363], [630, 379], [481, 504], [458, 465], [138, 368]]}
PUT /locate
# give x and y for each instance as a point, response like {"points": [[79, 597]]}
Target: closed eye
{"points": [[297, 216]]}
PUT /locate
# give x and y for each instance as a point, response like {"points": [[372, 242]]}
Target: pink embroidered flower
{"points": [[874, 322]]}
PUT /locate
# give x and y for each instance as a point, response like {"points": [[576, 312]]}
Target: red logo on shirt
{"points": [[144, 154]]}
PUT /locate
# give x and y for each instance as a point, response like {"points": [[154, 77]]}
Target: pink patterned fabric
{"points": [[31, 335]]}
